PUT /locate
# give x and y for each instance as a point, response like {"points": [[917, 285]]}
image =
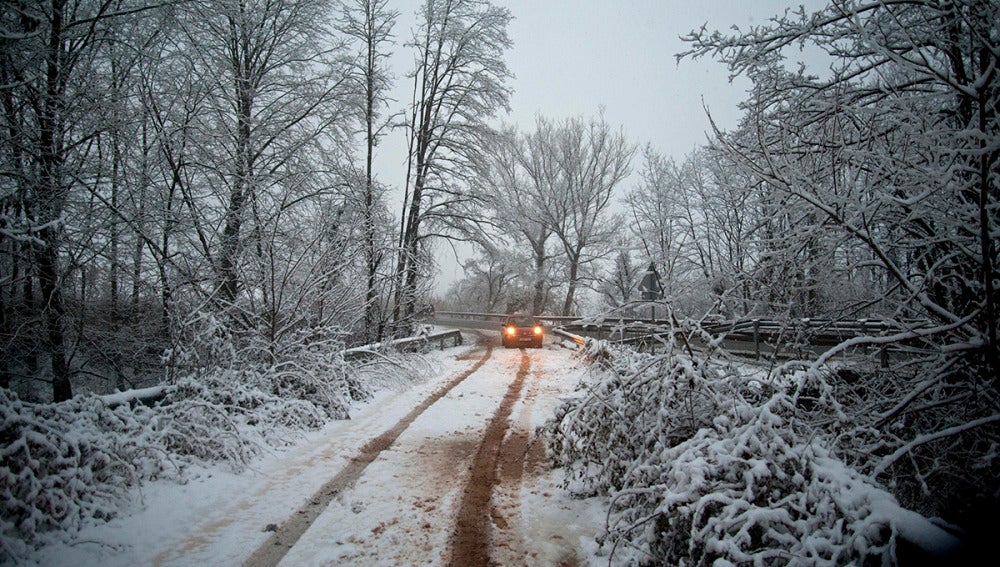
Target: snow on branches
{"points": [[704, 464], [71, 463]]}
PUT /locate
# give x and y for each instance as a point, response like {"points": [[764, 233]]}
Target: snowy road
{"points": [[446, 472]]}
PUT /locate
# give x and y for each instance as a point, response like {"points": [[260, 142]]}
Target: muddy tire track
{"points": [[520, 454], [521, 535], [285, 536], [471, 541]]}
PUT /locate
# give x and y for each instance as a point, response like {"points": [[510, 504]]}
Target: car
{"points": [[426, 312], [522, 330]]}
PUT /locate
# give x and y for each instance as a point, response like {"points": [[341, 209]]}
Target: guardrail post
{"points": [[756, 339]]}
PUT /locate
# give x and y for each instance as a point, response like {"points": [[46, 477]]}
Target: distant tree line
{"points": [[164, 160]]}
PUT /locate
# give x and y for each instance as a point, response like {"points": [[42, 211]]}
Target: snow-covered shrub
{"points": [[705, 464], [644, 404], [750, 489], [64, 464], [299, 381], [243, 411], [388, 371], [311, 366]]}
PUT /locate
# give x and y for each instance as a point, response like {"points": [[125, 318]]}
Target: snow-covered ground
{"points": [[402, 508]]}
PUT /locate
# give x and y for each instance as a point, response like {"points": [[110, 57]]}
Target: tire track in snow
{"points": [[270, 553], [470, 543], [519, 452], [530, 524]]}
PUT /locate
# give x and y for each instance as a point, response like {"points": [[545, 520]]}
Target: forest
{"points": [[175, 170], [188, 187]]}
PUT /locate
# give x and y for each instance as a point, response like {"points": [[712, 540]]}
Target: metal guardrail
{"points": [[715, 326], [498, 317], [755, 337], [406, 344]]}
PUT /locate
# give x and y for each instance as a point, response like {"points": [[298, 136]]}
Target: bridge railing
{"points": [[150, 396], [441, 339], [756, 336], [554, 320]]}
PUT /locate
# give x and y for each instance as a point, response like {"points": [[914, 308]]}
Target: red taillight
{"points": [[511, 331], [538, 330]]}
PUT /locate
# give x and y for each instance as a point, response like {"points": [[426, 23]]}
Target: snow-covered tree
{"points": [[883, 171], [274, 83], [53, 70], [368, 26], [458, 85], [590, 160], [555, 183], [513, 178]]}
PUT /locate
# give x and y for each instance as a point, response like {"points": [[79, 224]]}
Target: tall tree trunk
{"points": [[51, 288], [370, 23], [986, 159], [407, 270], [241, 189], [371, 260], [51, 195], [115, 268], [229, 279], [574, 269], [538, 293]]}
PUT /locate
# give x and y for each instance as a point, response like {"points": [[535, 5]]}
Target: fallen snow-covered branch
{"points": [[143, 395]]}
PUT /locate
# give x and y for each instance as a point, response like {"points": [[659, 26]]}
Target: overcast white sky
{"points": [[570, 57]]}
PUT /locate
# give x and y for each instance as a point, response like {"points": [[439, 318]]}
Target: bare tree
{"points": [[274, 85], [590, 160], [619, 290], [368, 24], [662, 224], [165, 147], [491, 284], [514, 181], [557, 180], [458, 84], [890, 162], [50, 117]]}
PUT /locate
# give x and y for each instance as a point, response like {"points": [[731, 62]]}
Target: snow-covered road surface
{"points": [[384, 488]]}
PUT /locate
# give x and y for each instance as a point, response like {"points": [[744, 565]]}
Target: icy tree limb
{"points": [[920, 440]]}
